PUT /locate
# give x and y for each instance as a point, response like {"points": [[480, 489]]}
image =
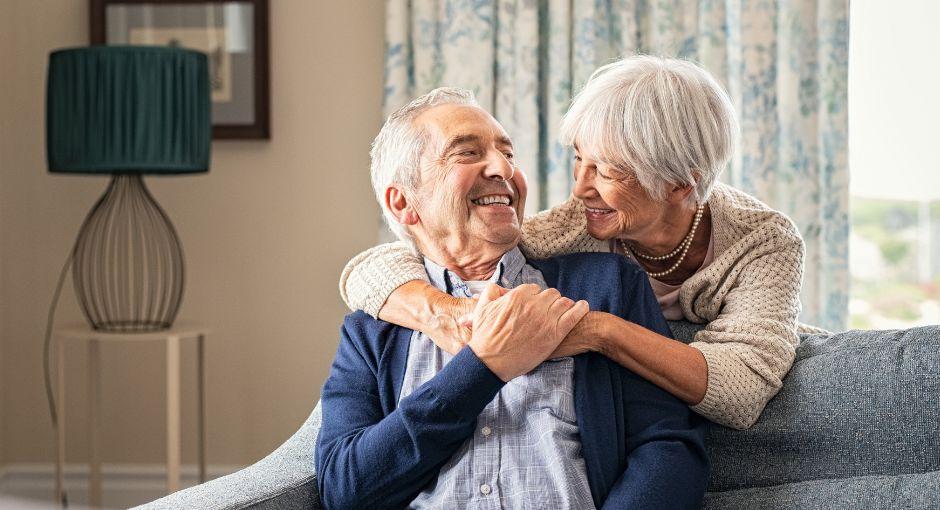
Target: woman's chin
{"points": [[602, 228], [601, 232]]}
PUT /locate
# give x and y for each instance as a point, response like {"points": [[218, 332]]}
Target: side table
{"points": [[173, 338]]}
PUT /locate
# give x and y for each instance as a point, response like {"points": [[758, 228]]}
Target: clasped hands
{"points": [[513, 331]]}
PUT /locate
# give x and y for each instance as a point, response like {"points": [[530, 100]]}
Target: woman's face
{"points": [[617, 205]]}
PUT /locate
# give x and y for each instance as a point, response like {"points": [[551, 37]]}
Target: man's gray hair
{"points": [[396, 151], [665, 119]]}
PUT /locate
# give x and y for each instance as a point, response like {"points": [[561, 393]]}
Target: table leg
{"points": [[60, 430], [201, 381], [172, 414], [94, 401]]}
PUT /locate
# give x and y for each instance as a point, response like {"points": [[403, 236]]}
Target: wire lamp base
{"points": [[128, 261]]}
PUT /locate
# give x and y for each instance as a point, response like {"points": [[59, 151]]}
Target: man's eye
{"points": [[467, 153]]}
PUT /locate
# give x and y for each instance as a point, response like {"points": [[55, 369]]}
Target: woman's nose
{"points": [[583, 182]]}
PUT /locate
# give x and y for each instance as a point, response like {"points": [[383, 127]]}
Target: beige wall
{"points": [[265, 234], [6, 55]]}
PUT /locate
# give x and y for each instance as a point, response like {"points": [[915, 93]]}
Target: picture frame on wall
{"points": [[232, 33]]}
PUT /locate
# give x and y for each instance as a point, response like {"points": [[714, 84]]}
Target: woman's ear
{"points": [[401, 208], [680, 193]]}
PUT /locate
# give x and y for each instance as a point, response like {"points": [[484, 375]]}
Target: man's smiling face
{"points": [[470, 196]]}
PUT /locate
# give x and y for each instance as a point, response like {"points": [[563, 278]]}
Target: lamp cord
{"points": [[46, 348]]}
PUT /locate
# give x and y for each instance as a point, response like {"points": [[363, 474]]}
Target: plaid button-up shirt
{"points": [[526, 449]]}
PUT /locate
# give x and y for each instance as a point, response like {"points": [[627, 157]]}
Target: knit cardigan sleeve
{"points": [[371, 277], [751, 345]]}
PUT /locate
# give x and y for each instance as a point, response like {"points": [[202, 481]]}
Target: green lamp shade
{"points": [[128, 109]]}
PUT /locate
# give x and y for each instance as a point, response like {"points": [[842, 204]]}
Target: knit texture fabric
{"points": [[748, 296]]}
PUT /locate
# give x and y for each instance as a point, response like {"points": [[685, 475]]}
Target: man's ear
{"points": [[401, 208]]}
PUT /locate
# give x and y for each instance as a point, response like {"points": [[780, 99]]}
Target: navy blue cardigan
{"points": [[642, 447]]}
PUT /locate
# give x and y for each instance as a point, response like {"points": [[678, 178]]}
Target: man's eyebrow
{"points": [[457, 140], [504, 140]]}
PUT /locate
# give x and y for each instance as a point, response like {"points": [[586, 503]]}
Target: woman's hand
{"points": [[449, 328], [418, 305]]}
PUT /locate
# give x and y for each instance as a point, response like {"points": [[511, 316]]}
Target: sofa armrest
{"points": [[285, 479]]}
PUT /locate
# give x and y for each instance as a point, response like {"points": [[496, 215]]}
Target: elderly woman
{"points": [[650, 137]]}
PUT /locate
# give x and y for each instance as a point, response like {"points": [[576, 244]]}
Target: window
{"points": [[894, 140]]}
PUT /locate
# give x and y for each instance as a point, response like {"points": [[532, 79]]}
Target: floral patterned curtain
{"points": [[784, 63]]}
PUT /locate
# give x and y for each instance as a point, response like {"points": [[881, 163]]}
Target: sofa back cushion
{"points": [[856, 403]]}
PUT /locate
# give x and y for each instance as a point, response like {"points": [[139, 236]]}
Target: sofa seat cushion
{"points": [[911, 491], [856, 403]]}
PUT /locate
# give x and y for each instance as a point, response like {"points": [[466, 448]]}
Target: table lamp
{"points": [[128, 111]]}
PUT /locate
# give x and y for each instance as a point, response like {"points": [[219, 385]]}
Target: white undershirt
{"points": [[476, 286]]}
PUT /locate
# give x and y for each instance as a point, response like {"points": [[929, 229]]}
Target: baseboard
{"points": [[122, 485]]}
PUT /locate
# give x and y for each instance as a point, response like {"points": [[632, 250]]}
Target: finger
{"points": [[465, 321], [463, 337], [570, 318], [559, 307], [528, 289], [443, 330], [549, 295], [491, 292]]}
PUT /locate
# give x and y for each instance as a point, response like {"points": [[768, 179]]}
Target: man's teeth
{"points": [[492, 199], [598, 211]]}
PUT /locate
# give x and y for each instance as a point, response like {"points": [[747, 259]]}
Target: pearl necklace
{"points": [[683, 247]]}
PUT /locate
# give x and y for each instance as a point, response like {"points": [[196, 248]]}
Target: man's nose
{"points": [[499, 167]]}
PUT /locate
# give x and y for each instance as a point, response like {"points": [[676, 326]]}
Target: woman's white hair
{"points": [[667, 120], [396, 151]]}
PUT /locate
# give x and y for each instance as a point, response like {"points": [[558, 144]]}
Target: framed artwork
{"points": [[234, 35]]}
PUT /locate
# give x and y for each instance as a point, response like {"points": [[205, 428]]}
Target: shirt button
{"points": [[485, 489], [486, 431]]}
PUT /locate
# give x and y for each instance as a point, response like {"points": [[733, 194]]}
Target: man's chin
{"points": [[508, 237]]}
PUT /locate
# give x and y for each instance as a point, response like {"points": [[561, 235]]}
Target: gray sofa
{"points": [[856, 425]]}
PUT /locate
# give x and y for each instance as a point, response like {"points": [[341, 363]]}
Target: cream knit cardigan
{"points": [[748, 296]]}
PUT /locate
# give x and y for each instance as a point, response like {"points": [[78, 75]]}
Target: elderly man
{"points": [[496, 423]]}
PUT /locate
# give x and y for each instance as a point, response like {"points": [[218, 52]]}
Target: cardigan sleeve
{"points": [[370, 277], [366, 458], [750, 346]]}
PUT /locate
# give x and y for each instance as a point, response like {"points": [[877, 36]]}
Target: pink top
{"points": [[668, 295]]}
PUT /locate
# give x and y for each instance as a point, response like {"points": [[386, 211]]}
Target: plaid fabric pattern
{"points": [[526, 450]]}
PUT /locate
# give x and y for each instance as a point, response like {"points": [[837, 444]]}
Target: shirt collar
{"points": [[507, 273]]}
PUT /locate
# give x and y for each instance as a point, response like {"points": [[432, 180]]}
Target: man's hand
{"points": [[515, 330]]}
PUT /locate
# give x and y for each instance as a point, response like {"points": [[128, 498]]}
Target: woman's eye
{"points": [[467, 153], [509, 155], [577, 158]]}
